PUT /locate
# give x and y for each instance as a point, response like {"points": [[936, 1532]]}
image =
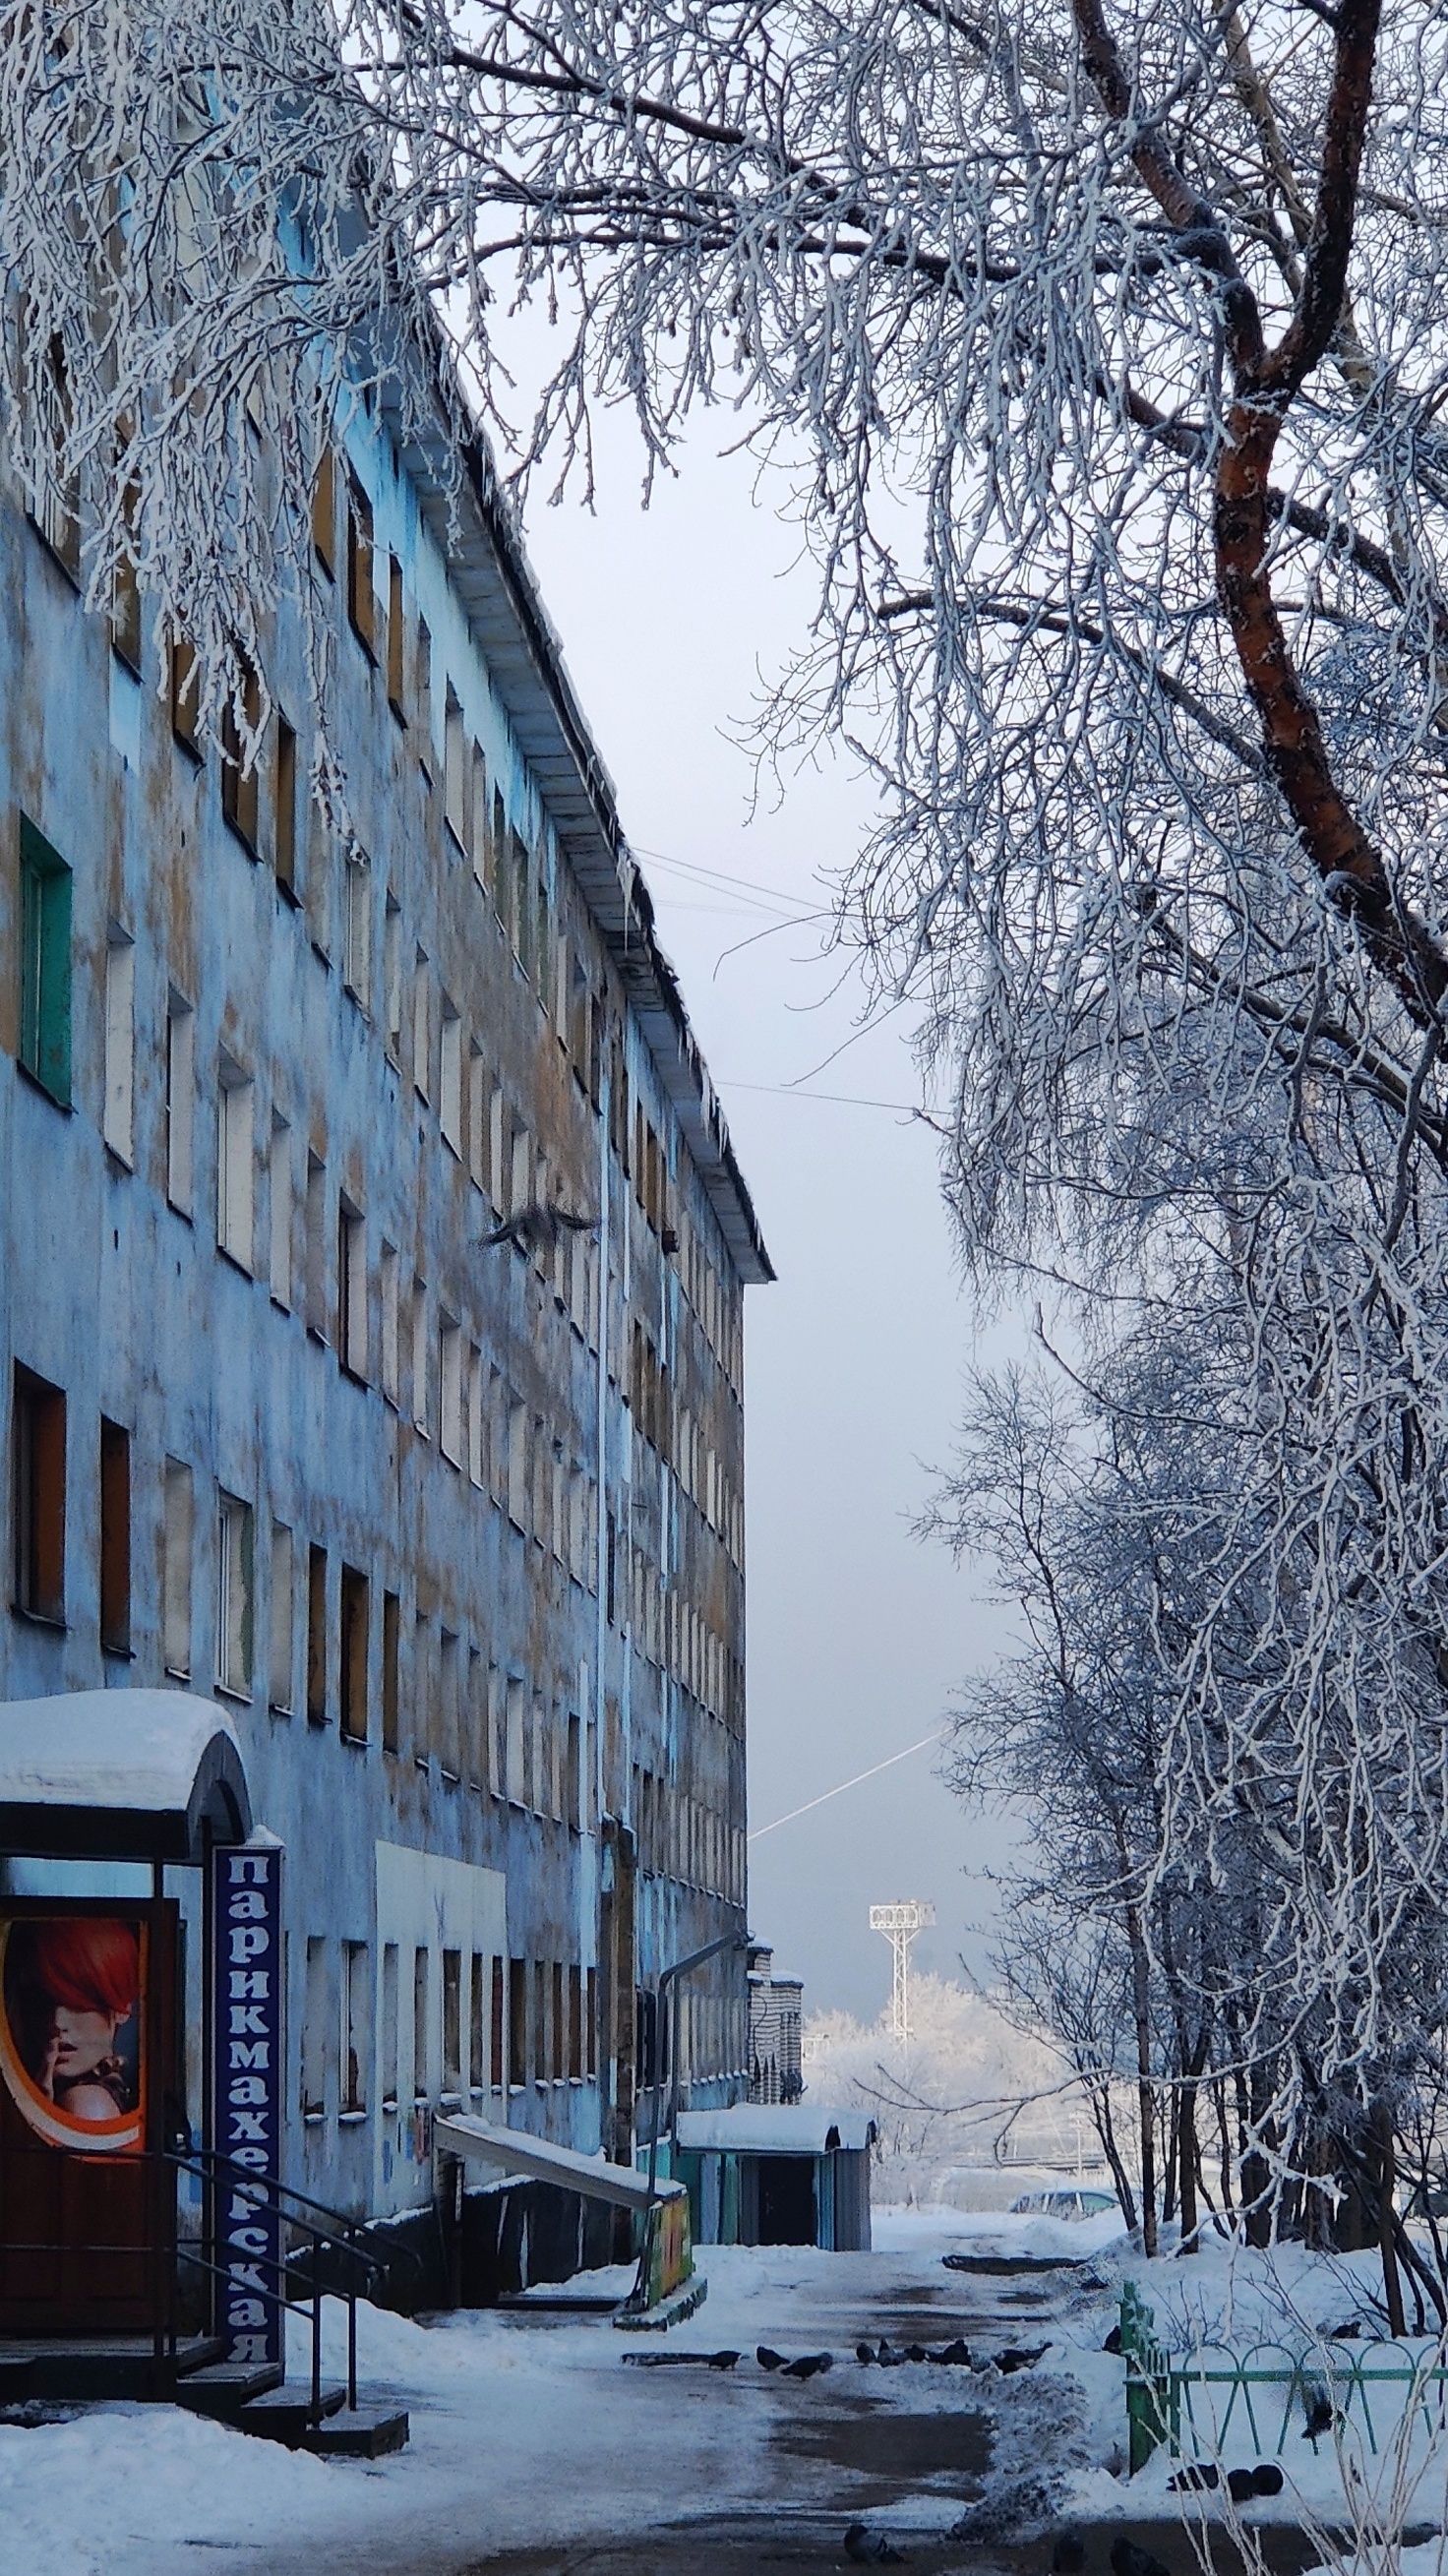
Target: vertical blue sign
{"points": [[246, 2094]]}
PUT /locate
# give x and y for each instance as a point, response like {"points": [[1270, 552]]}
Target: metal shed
{"points": [[787, 2174]]}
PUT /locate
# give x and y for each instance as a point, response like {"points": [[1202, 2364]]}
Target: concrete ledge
{"points": [[672, 2311]]}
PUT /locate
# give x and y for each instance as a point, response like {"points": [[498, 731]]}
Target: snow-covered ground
{"points": [[541, 2430]]}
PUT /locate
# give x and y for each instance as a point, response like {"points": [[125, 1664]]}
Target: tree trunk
{"points": [[1145, 2102], [1187, 2154], [1384, 2170]]}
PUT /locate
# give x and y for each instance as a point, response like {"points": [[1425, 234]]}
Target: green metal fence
{"points": [[1194, 2402]]}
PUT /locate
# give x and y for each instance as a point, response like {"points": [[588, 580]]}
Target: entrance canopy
{"points": [[119, 1775], [774, 2129], [515, 2151]]}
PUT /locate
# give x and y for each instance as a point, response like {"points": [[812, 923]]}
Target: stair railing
{"points": [[321, 2227]]}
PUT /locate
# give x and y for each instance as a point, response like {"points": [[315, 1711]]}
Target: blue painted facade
{"points": [[454, 1532]]}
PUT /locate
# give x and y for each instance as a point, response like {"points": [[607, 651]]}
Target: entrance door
{"points": [[786, 2200], [87, 2057]]}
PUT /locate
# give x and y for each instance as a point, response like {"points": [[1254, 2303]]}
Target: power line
{"points": [[826, 1794]]}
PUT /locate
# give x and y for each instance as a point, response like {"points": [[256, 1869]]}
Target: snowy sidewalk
{"points": [[534, 2435]]}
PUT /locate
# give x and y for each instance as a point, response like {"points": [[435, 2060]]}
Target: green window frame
{"points": [[45, 892]]}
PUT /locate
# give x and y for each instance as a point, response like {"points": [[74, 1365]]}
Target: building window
{"points": [[590, 2028], [279, 1680], [477, 1420], [240, 776], [354, 1655], [317, 1635], [285, 819], [449, 1709], [390, 1292], [477, 2023], [517, 1744], [450, 1409], [357, 948], [419, 1357], [233, 1595], [421, 1026], [496, 2056], [421, 2054], [477, 1118], [351, 1290], [391, 1678], [452, 2022], [314, 2027], [180, 1101], [396, 642], [236, 1104], [356, 2021], [115, 1538], [120, 1047], [575, 2023], [422, 683], [517, 2023], [324, 513], [387, 2067], [455, 773], [392, 978], [361, 602], [178, 1517], [316, 1246], [280, 1247], [450, 1079], [38, 1497], [558, 2056], [185, 694], [44, 963], [540, 2021], [518, 1465], [57, 489], [482, 841]]}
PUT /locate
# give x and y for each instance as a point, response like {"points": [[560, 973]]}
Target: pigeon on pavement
{"points": [[808, 2366], [1241, 2485], [870, 2548], [1319, 2414], [1200, 2473], [1069, 2555], [767, 2358], [1128, 2560], [1267, 2478]]}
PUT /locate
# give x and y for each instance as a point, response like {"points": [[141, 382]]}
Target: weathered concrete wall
{"points": [[569, 1592]]}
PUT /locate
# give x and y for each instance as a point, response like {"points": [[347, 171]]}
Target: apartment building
{"points": [[446, 1519]]}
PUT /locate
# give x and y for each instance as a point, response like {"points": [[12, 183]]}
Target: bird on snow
{"points": [[538, 1226], [870, 2548], [768, 2358], [1128, 2560], [808, 2366], [1015, 2357], [1199, 2473], [1241, 2485], [956, 2355], [1267, 2478]]}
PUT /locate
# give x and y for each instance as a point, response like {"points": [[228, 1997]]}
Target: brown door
{"points": [[87, 2057]]}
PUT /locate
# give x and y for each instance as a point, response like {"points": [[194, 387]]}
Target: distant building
{"points": [[450, 1533], [775, 2016]]}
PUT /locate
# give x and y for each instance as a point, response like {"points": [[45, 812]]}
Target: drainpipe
{"points": [[680, 1968]]}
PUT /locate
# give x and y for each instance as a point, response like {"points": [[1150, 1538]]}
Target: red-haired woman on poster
{"points": [[71, 1981]]}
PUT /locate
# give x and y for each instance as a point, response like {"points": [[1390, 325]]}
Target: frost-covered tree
{"points": [[1257, 1941], [1099, 350]]}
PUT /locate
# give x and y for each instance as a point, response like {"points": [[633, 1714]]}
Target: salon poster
{"points": [[246, 2022], [72, 2027]]}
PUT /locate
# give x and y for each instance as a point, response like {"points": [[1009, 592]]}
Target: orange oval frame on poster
{"points": [[121, 2136]]}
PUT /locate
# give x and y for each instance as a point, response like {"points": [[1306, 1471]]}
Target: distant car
{"points": [[1076, 2203]]}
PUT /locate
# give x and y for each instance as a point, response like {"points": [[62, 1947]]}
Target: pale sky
{"points": [[855, 1359]]}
